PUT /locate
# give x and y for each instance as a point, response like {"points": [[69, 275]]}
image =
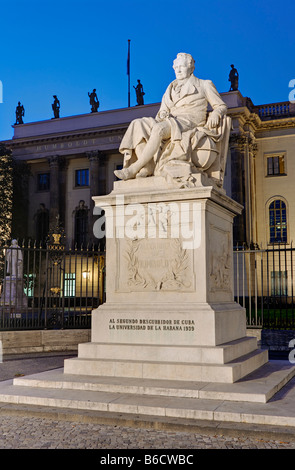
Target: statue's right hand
{"points": [[163, 115]]}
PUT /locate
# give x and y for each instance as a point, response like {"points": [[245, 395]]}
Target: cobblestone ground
{"points": [[41, 433]]}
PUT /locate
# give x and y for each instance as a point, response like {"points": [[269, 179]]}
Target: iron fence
{"points": [[49, 287], [264, 285]]}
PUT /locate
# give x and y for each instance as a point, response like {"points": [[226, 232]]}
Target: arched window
{"points": [[277, 222]]}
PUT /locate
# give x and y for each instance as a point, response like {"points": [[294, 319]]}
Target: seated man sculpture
{"points": [[169, 143]]}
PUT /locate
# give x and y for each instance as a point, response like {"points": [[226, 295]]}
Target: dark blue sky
{"points": [[68, 48]]}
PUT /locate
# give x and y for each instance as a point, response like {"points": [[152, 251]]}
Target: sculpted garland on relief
{"points": [[154, 272], [220, 265]]}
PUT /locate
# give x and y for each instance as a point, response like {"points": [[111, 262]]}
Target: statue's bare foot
{"points": [[124, 174]]}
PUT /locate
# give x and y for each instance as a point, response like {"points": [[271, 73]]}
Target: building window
{"points": [[278, 222], [82, 177], [276, 165], [70, 285], [43, 181], [278, 283], [29, 284]]}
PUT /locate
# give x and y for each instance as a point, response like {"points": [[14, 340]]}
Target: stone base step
{"points": [[259, 386], [169, 353], [179, 371], [246, 401]]}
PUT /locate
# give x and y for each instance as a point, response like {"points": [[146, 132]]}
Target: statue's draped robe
{"points": [[188, 111], [14, 260]]}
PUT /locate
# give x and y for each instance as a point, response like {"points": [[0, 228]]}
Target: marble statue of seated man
{"points": [[153, 145]]}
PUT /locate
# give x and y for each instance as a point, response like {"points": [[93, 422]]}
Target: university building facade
{"points": [[73, 158]]}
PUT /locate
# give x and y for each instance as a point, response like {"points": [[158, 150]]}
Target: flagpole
{"points": [[128, 72]]}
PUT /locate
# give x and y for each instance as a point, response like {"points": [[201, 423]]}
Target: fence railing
{"points": [[49, 287], [264, 285]]}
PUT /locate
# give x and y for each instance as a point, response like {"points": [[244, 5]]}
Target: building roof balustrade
{"points": [[276, 110]]}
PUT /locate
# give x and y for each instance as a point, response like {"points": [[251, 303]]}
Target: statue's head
{"points": [[183, 65]]}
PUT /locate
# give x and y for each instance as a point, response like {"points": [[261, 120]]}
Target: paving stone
{"points": [[34, 433]]}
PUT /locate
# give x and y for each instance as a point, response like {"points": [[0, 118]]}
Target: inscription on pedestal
{"points": [[151, 324]]}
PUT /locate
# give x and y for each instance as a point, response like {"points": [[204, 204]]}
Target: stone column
{"points": [[253, 215], [237, 145], [63, 166], [93, 158], [103, 174], [96, 161], [248, 148], [56, 189]]}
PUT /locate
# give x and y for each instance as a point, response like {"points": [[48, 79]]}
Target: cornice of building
{"points": [[285, 123], [65, 137], [115, 122], [83, 123]]}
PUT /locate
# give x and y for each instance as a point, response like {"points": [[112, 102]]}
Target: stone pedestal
{"points": [[169, 311]]}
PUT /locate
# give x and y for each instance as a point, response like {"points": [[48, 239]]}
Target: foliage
{"points": [[6, 194]]}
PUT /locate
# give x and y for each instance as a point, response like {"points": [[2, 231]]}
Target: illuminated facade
{"points": [[73, 158]]}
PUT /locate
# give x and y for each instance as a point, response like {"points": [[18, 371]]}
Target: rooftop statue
{"points": [[93, 101], [183, 138], [19, 113], [56, 107], [233, 78], [139, 93]]}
